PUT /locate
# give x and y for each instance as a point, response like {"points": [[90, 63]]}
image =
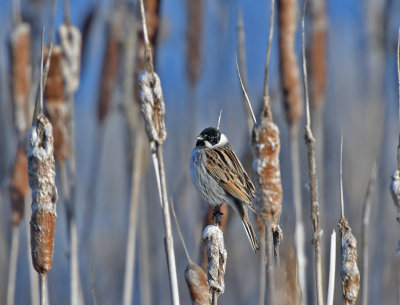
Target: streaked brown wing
{"points": [[223, 165]]}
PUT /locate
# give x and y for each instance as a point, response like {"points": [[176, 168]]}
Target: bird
{"points": [[218, 175]]}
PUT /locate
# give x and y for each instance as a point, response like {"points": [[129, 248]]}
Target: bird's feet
{"points": [[217, 215]]}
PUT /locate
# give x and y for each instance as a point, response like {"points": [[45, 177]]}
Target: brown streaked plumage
{"points": [[220, 177]]}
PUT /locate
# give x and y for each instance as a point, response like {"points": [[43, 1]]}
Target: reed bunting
{"points": [[220, 178]]}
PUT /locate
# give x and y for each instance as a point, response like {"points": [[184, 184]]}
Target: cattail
{"points": [[290, 73], [19, 185], [21, 75], [196, 279], [71, 42], [110, 64], [41, 170], [266, 146], [153, 111], [152, 106], [194, 39], [317, 53], [217, 255], [55, 106], [349, 270], [209, 220]]}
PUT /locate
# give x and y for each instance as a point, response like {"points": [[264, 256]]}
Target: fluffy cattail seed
{"points": [[350, 273], [152, 106], [71, 42], [196, 279], [41, 171], [395, 190], [217, 255], [266, 147]]}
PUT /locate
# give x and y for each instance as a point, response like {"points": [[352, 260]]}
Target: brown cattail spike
{"points": [[195, 13], [349, 271], [196, 279], [317, 52], [266, 147], [21, 75], [19, 185], [41, 170], [55, 107], [290, 74], [217, 255], [110, 64]]}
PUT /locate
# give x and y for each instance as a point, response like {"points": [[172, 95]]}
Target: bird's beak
{"points": [[200, 138]]}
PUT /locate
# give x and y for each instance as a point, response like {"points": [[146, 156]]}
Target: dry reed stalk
{"points": [[194, 38], [152, 11], [18, 189], [293, 102], [242, 66], [289, 67], [19, 185], [317, 53], [71, 41], [395, 184], [153, 111], [263, 260], [33, 278], [287, 288], [136, 156], [217, 255], [332, 268], [21, 75], [310, 143], [195, 277], [349, 269], [56, 109], [364, 239]]}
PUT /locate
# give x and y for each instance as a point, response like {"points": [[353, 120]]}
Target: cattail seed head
{"points": [[349, 271], [196, 279], [217, 255], [41, 171], [395, 191], [152, 106], [289, 68], [21, 75], [266, 147], [19, 185], [55, 107]]}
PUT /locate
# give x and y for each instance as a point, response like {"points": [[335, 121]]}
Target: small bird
{"points": [[220, 178]]}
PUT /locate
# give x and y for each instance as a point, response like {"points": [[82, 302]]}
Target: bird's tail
{"points": [[251, 234]]}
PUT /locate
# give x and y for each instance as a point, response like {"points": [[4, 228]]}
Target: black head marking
{"points": [[210, 134]]}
